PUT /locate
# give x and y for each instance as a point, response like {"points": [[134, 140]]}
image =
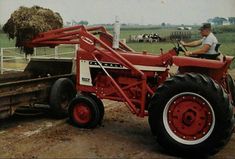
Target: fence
{"points": [[164, 36], [13, 59]]}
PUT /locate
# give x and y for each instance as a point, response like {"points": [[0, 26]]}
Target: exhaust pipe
{"points": [[116, 33]]}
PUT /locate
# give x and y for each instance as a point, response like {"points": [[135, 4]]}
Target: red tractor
{"points": [[190, 113]]}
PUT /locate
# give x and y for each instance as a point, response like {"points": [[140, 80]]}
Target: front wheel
{"points": [[191, 115], [84, 112], [100, 106]]}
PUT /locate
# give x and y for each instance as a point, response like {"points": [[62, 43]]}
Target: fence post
{"points": [[29, 57], [1, 60], [76, 50], [35, 51], [56, 52]]}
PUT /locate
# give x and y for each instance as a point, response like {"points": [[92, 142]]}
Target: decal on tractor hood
{"points": [[109, 65], [85, 65]]}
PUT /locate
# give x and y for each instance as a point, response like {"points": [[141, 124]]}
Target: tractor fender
{"points": [[197, 62]]}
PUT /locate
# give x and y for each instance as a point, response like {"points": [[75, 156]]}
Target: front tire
{"points": [[191, 115], [84, 112], [100, 106]]}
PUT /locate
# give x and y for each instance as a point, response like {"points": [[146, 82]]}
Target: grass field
{"points": [[5, 42]]}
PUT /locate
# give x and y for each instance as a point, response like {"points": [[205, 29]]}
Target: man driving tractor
{"points": [[208, 42]]}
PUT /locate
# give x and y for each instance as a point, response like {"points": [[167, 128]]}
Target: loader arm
{"points": [[70, 35]]}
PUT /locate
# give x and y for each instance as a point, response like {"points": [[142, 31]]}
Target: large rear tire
{"points": [[191, 115], [231, 87]]}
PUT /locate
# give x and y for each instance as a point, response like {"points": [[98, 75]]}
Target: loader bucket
{"points": [[49, 67]]}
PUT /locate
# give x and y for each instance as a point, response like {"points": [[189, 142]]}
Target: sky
{"points": [[129, 11]]}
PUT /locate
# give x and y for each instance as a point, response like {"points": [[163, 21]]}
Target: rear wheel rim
{"points": [[189, 118], [82, 113]]}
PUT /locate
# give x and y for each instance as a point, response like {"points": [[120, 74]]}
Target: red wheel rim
{"points": [[189, 118], [82, 113]]}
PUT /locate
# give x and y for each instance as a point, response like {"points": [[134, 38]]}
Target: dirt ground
{"points": [[122, 135]]}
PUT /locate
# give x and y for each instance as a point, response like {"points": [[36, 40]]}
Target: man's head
{"points": [[205, 29]]}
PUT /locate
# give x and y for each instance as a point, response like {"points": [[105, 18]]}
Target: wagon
{"points": [[43, 81]]}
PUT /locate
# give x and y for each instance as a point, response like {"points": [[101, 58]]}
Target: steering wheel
{"points": [[180, 47]]}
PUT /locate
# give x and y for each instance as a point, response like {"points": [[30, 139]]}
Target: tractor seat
{"points": [[211, 56]]}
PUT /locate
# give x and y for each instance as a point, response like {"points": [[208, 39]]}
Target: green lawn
{"points": [[151, 47], [5, 42]]}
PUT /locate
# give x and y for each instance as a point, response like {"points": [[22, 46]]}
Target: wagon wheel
{"points": [[62, 92], [191, 115], [84, 112]]}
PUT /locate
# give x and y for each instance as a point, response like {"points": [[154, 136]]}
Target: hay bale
{"points": [[25, 23]]}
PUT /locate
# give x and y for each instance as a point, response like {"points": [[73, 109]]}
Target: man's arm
{"points": [[204, 49], [192, 44]]}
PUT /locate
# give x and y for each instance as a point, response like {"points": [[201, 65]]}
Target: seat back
{"points": [[217, 47]]}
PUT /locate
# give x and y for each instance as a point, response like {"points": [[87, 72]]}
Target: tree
{"points": [[210, 20], [231, 20], [163, 24], [83, 22], [217, 20]]}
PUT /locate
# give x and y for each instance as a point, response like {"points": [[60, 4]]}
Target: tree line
{"points": [[221, 20]]}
